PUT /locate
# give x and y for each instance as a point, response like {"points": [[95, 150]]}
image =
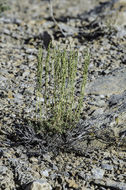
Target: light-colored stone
{"points": [[72, 183], [107, 167], [108, 85], [33, 160], [98, 173], [44, 173], [39, 185]]}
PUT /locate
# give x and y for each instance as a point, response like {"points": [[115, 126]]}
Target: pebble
{"points": [[39, 185], [97, 173], [3, 170], [33, 160], [44, 173], [98, 111], [107, 167]]}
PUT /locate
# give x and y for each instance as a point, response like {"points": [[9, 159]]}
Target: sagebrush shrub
{"points": [[61, 80]]}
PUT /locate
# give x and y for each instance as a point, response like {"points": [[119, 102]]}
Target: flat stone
{"points": [[98, 173], [116, 185], [44, 173], [38, 185], [108, 85], [3, 170], [98, 112], [72, 183], [107, 166], [33, 160]]}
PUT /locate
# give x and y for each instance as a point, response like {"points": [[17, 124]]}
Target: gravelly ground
{"points": [[93, 155]]}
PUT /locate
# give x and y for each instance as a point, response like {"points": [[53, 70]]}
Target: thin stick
{"points": [[52, 15]]}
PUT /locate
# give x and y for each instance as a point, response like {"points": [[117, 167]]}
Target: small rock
{"points": [[66, 174], [98, 111], [6, 31], [72, 183], [26, 73], [46, 157], [81, 174], [116, 184], [53, 176], [33, 160], [39, 185], [108, 85], [3, 170], [107, 167], [31, 57], [31, 51], [29, 90], [54, 167], [18, 97], [97, 173], [88, 177], [45, 173], [3, 81]]}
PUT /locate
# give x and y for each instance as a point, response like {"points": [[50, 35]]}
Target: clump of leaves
{"points": [[61, 80], [3, 6]]}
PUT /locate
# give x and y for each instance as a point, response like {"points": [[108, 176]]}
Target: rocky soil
{"points": [[93, 155]]}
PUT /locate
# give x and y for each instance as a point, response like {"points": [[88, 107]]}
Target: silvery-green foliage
{"points": [[59, 105]]}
